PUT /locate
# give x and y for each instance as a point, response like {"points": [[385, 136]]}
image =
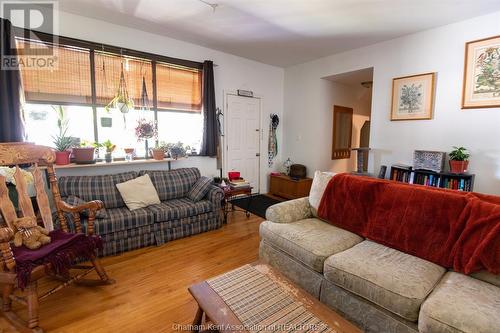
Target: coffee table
{"points": [[257, 297]]}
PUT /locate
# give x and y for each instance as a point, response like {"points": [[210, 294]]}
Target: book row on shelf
{"points": [[401, 175], [460, 182]]}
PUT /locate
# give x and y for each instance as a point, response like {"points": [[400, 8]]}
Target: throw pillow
{"points": [[318, 186], [73, 200], [200, 189], [138, 193]]}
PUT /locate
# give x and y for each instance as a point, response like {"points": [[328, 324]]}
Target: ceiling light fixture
{"points": [[213, 5]]}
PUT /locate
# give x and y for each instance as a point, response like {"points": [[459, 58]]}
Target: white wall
{"points": [[231, 73], [308, 102]]}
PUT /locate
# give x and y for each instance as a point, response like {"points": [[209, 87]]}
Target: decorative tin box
{"points": [[429, 160]]}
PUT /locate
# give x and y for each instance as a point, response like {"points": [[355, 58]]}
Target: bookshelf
{"points": [[452, 181]]}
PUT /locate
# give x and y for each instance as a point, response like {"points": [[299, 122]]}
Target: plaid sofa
{"points": [[175, 217]]}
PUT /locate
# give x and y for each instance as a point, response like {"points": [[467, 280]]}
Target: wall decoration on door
{"points": [[413, 97], [481, 87], [273, 140]]}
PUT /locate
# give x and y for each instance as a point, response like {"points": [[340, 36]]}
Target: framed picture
{"points": [[413, 97], [482, 74]]}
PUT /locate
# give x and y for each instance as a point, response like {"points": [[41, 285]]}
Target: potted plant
{"points": [[459, 160], [63, 146], [62, 142], [122, 101], [159, 151], [85, 154], [176, 150], [110, 147], [129, 154]]}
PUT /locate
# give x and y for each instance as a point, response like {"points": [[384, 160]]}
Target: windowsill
{"points": [[114, 163]]}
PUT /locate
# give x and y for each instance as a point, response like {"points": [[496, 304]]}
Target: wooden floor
{"points": [[150, 294]]}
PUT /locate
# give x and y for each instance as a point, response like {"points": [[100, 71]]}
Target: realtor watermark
{"points": [[283, 327], [33, 50]]}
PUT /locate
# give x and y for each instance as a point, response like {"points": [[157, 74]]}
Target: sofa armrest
{"points": [[289, 211], [215, 196]]}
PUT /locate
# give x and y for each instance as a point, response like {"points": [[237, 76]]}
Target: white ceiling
{"points": [[281, 32]]}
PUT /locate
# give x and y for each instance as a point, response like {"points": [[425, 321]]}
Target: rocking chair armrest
{"points": [[93, 205]]}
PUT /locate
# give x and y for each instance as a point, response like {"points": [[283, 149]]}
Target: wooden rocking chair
{"points": [[17, 154]]}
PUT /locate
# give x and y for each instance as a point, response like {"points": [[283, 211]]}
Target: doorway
{"points": [[242, 140], [353, 90]]}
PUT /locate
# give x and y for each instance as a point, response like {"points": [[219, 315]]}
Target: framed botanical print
{"points": [[482, 74], [413, 97]]}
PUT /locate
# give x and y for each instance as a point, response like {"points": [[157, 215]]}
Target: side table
{"points": [[230, 194]]}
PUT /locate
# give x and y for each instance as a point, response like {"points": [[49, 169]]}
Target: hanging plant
{"points": [[122, 101], [145, 129]]}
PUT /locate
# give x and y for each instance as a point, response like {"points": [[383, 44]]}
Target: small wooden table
{"points": [[213, 309], [232, 193], [286, 187]]}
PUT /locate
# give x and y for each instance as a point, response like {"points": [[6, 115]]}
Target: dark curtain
{"points": [[210, 138], [11, 120]]}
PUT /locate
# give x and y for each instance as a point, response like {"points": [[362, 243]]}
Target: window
{"points": [[41, 123], [85, 81]]}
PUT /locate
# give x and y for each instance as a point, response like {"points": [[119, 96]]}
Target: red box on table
{"points": [[232, 175]]}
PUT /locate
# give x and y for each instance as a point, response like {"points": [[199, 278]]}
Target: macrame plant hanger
{"points": [[122, 105], [144, 108]]}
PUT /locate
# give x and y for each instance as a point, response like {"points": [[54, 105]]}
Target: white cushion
{"points": [[318, 186], [138, 193]]}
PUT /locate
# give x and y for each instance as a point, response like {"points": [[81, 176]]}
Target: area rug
{"points": [[258, 204], [262, 305]]}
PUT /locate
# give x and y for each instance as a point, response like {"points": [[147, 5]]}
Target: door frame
{"points": [[228, 93]]}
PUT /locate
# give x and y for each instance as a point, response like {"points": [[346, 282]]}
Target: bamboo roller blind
{"points": [[68, 82], [178, 88]]}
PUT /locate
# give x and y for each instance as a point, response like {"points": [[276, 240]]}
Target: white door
{"points": [[242, 138]]}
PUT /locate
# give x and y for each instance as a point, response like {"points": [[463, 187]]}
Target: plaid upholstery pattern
{"points": [[179, 208], [173, 184], [126, 244], [130, 233], [162, 226], [195, 226], [159, 233], [96, 187], [199, 189], [123, 219]]}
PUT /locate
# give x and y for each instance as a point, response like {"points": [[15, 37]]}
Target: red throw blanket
{"points": [[450, 228]]}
